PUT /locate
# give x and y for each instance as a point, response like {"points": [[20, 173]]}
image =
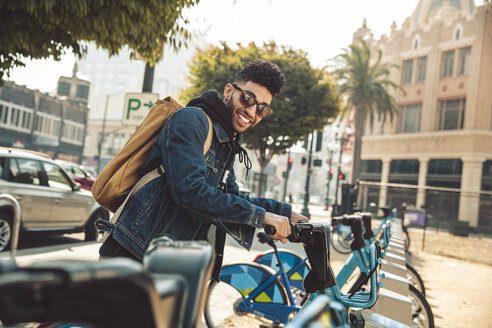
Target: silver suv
{"points": [[50, 200]]}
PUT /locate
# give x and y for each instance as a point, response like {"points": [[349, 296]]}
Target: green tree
{"points": [[365, 88], [306, 105], [48, 28]]}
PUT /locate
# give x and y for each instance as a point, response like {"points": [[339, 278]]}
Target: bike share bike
{"points": [[167, 291], [258, 290], [298, 267], [357, 265]]}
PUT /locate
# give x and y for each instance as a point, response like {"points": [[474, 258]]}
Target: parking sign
{"points": [[136, 107]]}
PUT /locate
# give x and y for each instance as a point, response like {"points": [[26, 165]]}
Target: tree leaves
{"points": [[306, 105], [48, 28]]}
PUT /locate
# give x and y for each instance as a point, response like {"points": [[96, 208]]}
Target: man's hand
{"points": [[281, 224], [296, 217]]}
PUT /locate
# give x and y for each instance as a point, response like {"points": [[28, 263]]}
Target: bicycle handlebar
{"points": [[295, 230]]}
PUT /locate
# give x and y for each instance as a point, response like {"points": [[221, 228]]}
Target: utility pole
{"points": [[101, 140], [305, 209]]}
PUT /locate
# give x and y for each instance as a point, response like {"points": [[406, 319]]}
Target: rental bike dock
{"points": [[393, 301]]}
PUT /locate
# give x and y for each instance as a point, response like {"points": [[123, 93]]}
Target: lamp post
{"points": [[340, 137], [101, 140], [305, 209], [329, 177], [286, 177]]}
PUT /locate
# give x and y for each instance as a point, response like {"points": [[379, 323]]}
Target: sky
{"points": [[322, 28]]}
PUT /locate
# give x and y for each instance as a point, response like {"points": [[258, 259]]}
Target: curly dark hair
{"points": [[265, 73]]}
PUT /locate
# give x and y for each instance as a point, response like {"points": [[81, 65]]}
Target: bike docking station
{"points": [[167, 291], [393, 301]]}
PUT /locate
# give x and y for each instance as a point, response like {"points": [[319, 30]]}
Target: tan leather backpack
{"points": [[119, 179]]}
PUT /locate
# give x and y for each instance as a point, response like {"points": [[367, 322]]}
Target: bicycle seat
{"points": [[191, 261]]}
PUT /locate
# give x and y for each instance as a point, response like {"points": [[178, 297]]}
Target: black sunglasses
{"points": [[248, 99]]}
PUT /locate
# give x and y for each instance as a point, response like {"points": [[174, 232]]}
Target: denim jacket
{"points": [[186, 199]]}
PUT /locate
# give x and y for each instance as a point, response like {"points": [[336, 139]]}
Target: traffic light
{"points": [[330, 173], [290, 160], [341, 176]]}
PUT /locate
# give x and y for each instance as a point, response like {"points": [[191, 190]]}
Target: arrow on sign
{"points": [[149, 104]]}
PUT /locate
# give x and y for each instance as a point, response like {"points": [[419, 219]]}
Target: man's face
{"points": [[244, 117]]}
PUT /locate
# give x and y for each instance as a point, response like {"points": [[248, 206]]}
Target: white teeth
{"points": [[244, 118]]}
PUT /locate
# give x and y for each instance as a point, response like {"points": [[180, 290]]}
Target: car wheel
{"points": [[91, 232], [5, 231]]}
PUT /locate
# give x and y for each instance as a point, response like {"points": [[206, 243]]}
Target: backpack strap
{"points": [[108, 227], [208, 141]]}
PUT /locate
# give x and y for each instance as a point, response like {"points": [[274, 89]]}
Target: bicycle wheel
{"points": [[414, 279], [421, 311], [339, 243], [220, 308]]}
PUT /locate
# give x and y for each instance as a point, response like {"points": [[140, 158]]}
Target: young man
{"points": [[198, 197]]}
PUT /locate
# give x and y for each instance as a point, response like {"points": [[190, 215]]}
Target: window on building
{"points": [[82, 91], [465, 61], [421, 65], [451, 114], [444, 173], [63, 88], [458, 34], [447, 64], [407, 72], [73, 132], [404, 171], [410, 118], [47, 125], [15, 118]]}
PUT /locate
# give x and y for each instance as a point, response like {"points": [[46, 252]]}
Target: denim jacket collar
{"points": [[222, 136]]}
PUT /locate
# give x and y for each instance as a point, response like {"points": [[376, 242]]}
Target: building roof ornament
{"points": [[429, 10]]}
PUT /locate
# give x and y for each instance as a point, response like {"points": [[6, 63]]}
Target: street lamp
{"points": [[305, 209], [340, 137], [331, 172], [101, 140]]}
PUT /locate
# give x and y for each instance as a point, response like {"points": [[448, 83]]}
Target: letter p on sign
{"points": [[136, 107]]}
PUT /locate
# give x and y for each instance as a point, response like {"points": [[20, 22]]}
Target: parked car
{"points": [[50, 200], [79, 173]]}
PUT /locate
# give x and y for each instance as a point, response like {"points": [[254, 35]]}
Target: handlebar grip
{"points": [[270, 230]]}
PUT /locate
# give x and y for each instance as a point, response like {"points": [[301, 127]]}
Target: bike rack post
{"points": [[16, 222]]}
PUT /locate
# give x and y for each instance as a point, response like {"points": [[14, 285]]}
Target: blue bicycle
{"points": [[264, 293], [358, 261]]}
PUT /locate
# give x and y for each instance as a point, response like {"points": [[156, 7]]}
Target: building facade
{"points": [[441, 142], [34, 120]]}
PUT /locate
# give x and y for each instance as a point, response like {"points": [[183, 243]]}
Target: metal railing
{"points": [[16, 222]]}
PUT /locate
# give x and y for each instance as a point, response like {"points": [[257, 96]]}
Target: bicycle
{"points": [[319, 281], [421, 312], [341, 239]]}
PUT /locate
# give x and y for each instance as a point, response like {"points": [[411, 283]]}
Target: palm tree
{"points": [[365, 88]]}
